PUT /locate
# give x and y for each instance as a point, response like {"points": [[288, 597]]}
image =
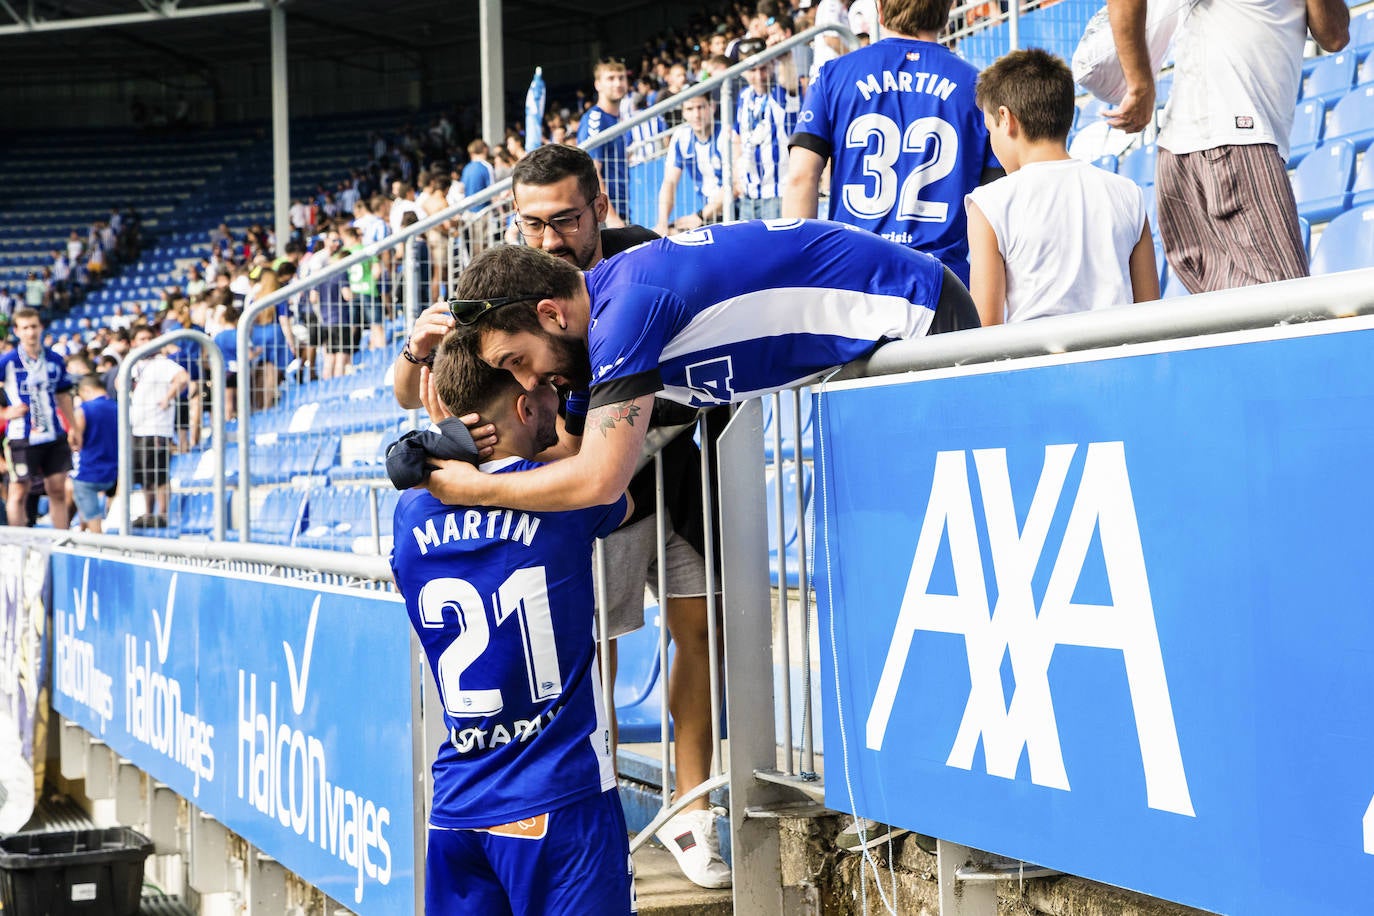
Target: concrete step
{"points": [[662, 889]]}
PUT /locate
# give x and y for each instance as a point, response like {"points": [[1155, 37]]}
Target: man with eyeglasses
{"points": [[560, 204], [715, 316]]}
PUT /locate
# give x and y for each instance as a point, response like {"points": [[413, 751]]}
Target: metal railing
{"points": [[123, 388]]}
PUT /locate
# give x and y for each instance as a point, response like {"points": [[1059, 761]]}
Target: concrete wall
{"points": [[825, 880]]}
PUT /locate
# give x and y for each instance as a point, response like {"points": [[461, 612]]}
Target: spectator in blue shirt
{"points": [[477, 174], [97, 463]]}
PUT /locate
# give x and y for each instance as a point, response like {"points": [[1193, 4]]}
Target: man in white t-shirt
{"points": [[1226, 210], [158, 382]]}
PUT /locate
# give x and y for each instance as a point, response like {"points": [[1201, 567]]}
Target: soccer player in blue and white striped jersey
{"points": [[694, 151], [764, 115]]}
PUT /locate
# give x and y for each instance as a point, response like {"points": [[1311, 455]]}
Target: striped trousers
{"points": [[1228, 217]]}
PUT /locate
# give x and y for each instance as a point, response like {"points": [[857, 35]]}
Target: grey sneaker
{"points": [[862, 833]]}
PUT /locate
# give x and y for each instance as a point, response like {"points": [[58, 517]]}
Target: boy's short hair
{"points": [[91, 381], [907, 17], [1034, 85], [465, 383]]}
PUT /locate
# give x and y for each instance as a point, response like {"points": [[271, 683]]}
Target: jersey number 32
{"points": [[933, 139]]}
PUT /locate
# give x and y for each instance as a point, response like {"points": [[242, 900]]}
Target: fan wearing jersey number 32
{"points": [[712, 316], [904, 135], [526, 817]]}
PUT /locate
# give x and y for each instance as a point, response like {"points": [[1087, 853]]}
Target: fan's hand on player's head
{"points": [[483, 434], [431, 326]]}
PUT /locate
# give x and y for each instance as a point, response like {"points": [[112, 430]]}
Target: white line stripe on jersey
{"points": [[800, 310]]}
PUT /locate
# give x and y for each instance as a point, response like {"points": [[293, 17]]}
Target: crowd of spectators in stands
{"points": [[76, 268]]}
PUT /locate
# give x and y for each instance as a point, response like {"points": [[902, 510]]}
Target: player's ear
{"points": [[522, 409], [551, 315], [601, 206]]}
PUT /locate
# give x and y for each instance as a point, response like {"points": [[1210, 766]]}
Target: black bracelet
{"points": [[414, 360]]}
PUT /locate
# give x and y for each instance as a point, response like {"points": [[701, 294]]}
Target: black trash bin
{"points": [[97, 871]]}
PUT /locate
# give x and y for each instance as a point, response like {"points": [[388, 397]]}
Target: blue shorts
{"points": [[87, 496], [574, 862]]}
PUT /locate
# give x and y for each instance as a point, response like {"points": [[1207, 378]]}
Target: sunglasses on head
{"points": [[470, 311]]}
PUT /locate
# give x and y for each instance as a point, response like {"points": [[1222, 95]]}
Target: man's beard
{"points": [[573, 362]]}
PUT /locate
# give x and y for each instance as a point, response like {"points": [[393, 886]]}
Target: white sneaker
{"points": [[691, 838]]}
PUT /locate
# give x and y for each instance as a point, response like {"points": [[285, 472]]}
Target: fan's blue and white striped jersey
{"points": [[724, 313], [702, 161], [35, 383], [502, 603], [615, 171], [762, 122], [906, 142]]}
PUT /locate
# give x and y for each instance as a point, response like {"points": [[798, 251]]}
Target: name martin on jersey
{"points": [[473, 524], [902, 81]]}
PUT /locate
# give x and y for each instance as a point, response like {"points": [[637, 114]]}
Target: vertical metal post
{"points": [[784, 602], [426, 732], [804, 593], [376, 515], [217, 450], [748, 636], [727, 136], [712, 604], [962, 898], [1014, 25], [410, 290], [493, 72], [661, 539], [603, 639], [281, 144]]}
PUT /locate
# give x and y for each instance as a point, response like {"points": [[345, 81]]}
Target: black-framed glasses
{"points": [[470, 311], [532, 227]]}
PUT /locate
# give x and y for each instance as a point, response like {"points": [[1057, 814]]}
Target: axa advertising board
{"points": [[1113, 615], [282, 710]]}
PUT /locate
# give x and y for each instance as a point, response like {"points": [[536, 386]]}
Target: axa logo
{"points": [[1015, 628]]}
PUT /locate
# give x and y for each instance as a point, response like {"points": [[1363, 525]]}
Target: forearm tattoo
{"points": [[611, 415]]}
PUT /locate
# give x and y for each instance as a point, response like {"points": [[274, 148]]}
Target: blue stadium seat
{"points": [[788, 426], [1139, 165], [1305, 227], [1347, 243], [1309, 121], [1362, 31], [1353, 118], [1173, 287], [792, 525], [638, 682], [1362, 190], [1365, 74], [1164, 85], [1322, 183], [1108, 162], [279, 519], [1331, 77]]}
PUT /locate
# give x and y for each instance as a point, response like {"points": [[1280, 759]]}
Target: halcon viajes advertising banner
{"points": [[282, 710]]}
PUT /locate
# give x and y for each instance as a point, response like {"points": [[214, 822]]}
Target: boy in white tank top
{"points": [[1056, 235]]}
